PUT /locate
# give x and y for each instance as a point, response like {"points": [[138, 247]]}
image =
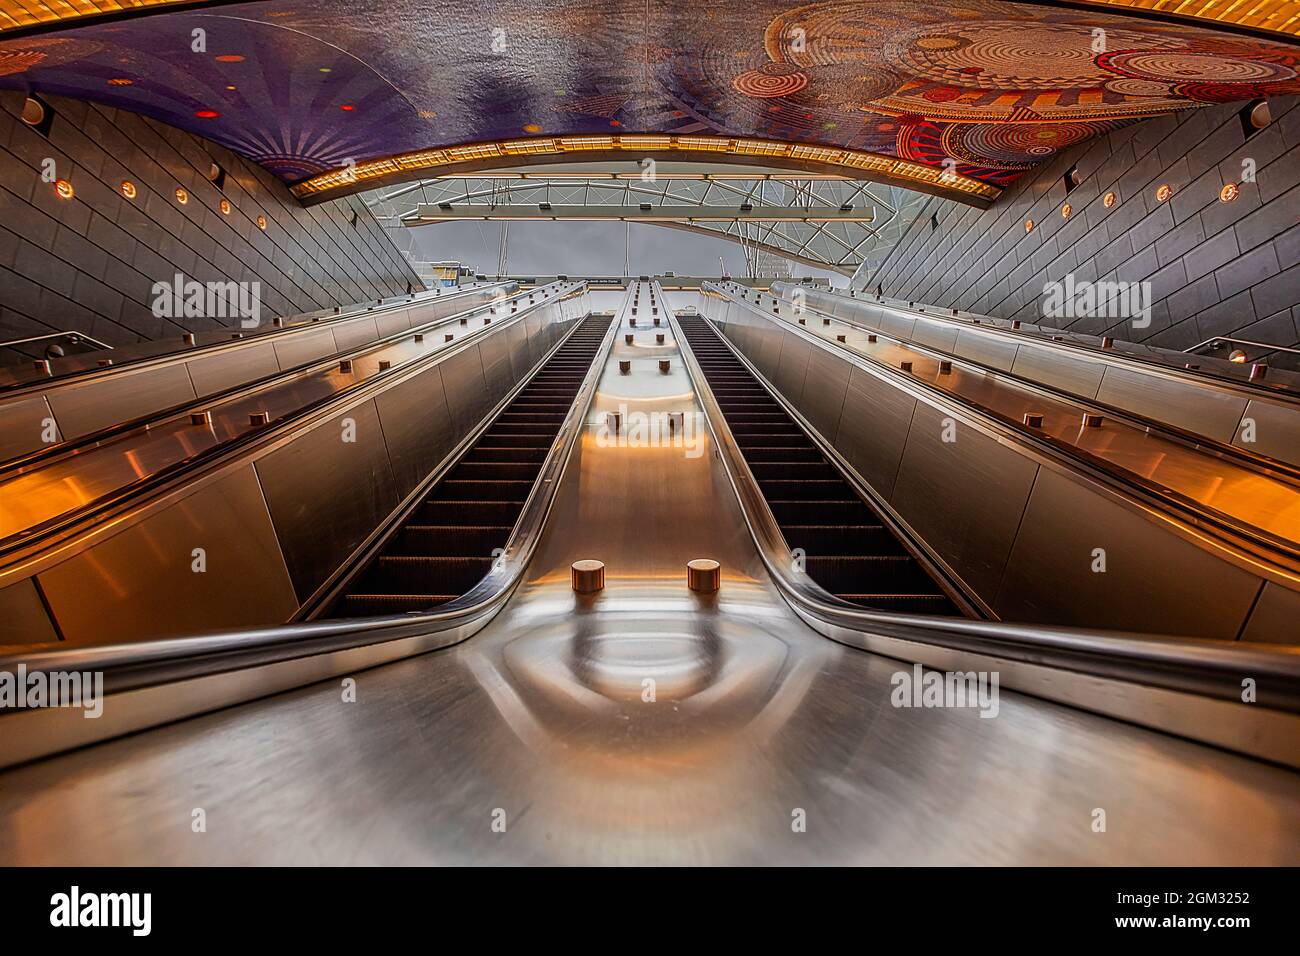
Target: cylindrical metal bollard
{"points": [[624, 366], [664, 366], [659, 338], [703, 574], [588, 576]]}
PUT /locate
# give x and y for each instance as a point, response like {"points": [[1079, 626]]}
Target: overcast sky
{"points": [[586, 248]]}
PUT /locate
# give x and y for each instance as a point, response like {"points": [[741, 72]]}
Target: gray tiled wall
{"points": [[1215, 268], [88, 264]]}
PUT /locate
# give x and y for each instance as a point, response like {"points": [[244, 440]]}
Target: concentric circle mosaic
{"points": [[309, 86]]}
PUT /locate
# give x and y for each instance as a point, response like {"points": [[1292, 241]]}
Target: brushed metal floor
{"points": [[542, 716]]}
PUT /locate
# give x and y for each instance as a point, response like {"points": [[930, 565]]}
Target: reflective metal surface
{"points": [[1245, 493], [326, 477], [141, 581], [543, 720], [960, 481], [1140, 380], [49, 489]]}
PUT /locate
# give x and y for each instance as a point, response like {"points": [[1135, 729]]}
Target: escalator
{"points": [[849, 551], [447, 543]]}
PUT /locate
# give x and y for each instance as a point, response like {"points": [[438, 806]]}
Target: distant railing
{"points": [[54, 349], [1219, 340]]}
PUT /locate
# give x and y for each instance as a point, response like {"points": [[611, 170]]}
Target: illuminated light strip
{"points": [[20, 14], [1270, 16], [847, 161]]}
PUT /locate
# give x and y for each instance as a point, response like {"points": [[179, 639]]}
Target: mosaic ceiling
{"points": [[306, 87]]}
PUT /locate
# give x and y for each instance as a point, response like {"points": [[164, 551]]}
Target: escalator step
{"points": [[423, 574], [448, 539], [483, 452], [832, 539], [452, 490], [495, 471], [755, 454], [859, 573], [509, 439], [446, 546], [793, 470], [821, 512]]}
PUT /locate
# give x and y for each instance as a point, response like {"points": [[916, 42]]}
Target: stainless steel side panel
{"points": [[964, 497], [228, 369], [149, 565], [494, 352], [354, 332], [417, 428], [768, 355], [1276, 617], [898, 325], [824, 389], [326, 495], [516, 344], [22, 616], [994, 352], [1076, 374], [95, 405], [388, 323], [873, 429], [1155, 581], [1203, 411], [792, 367], [23, 423], [465, 388], [300, 349], [935, 335], [1276, 431]]}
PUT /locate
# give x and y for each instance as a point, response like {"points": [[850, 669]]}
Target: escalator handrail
{"points": [[30, 543], [1205, 667], [236, 391], [1248, 458], [1248, 390], [132, 666], [1272, 555], [73, 377]]}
